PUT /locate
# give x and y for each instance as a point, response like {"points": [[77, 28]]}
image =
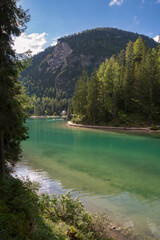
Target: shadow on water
{"points": [[107, 170]]}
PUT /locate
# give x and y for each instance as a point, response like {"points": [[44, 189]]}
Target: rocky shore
{"points": [[112, 128]]}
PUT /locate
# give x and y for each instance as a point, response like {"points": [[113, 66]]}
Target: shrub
{"points": [[154, 127], [82, 224], [25, 215], [18, 209]]}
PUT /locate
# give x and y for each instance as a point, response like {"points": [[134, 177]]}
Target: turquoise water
{"points": [[116, 173]]}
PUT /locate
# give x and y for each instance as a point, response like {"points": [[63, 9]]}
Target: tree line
{"points": [[102, 41], [125, 89], [49, 106]]}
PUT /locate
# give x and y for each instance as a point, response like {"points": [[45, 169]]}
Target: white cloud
{"points": [[135, 20], [115, 2], [157, 38], [33, 42], [120, 2], [55, 41]]}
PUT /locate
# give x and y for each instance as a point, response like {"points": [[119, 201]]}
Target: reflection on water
{"points": [[47, 185], [111, 172]]}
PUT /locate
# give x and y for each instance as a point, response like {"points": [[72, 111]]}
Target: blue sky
{"points": [[54, 18]]}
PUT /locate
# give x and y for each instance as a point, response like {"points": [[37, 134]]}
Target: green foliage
{"points": [[92, 107], [24, 215], [79, 119], [82, 225], [13, 21], [154, 127], [102, 41], [56, 84], [123, 87], [18, 209], [65, 208], [80, 95]]}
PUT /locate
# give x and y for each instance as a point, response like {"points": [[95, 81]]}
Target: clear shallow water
{"points": [[116, 173]]}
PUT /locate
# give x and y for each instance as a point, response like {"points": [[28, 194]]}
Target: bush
{"points": [[79, 119], [82, 225], [154, 127], [18, 209], [65, 208], [25, 215]]}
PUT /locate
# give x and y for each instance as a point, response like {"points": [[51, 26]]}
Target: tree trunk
{"points": [[151, 104], [2, 162]]}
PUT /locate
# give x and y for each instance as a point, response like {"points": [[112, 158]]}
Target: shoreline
{"points": [[97, 127], [114, 230], [116, 129], [48, 117]]}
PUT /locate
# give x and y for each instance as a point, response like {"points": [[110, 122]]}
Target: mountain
{"points": [[157, 38], [54, 72]]}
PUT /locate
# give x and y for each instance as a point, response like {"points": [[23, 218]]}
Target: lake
{"points": [[110, 172]]}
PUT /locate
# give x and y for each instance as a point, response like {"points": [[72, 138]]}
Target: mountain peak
{"points": [[157, 38]]}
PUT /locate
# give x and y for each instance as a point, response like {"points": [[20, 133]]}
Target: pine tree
{"points": [[128, 77], [121, 90], [109, 76], [93, 105], [13, 21], [103, 111], [113, 84], [125, 88], [139, 49], [69, 109], [152, 84], [80, 96], [139, 52]]}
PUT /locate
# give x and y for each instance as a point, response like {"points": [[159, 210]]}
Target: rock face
{"points": [[54, 72], [59, 57], [62, 57]]}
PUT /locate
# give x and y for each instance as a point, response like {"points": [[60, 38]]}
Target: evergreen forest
{"points": [[124, 90]]}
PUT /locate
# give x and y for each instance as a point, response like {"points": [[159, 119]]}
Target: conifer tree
{"points": [[69, 109], [101, 74], [93, 105], [112, 84], [139, 50], [128, 77], [80, 96], [124, 87], [151, 83], [13, 21], [121, 90]]}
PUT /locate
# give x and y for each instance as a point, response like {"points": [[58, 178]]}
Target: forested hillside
{"points": [[51, 78], [124, 90]]}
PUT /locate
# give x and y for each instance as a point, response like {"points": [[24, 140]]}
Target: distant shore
{"points": [[105, 128], [112, 128], [47, 116]]}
